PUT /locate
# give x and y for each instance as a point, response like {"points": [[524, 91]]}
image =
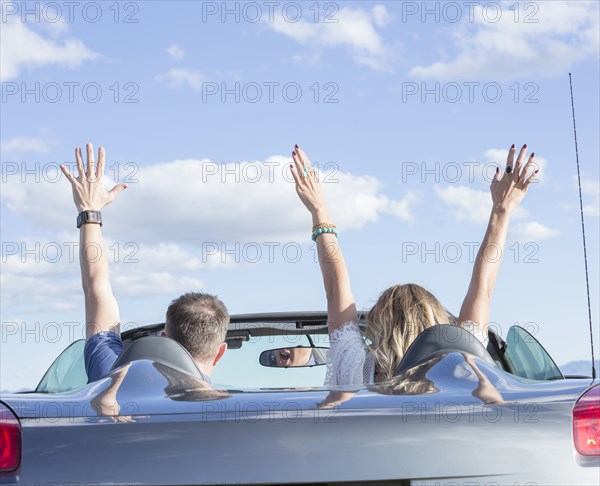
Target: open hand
{"points": [[509, 190], [89, 192], [308, 185]]}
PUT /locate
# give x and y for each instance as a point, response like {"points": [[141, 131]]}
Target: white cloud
{"points": [[53, 280], [50, 266], [565, 33], [173, 257], [496, 155], [27, 144], [190, 201], [471, 204], [22, 47], [475, 205], [532, 231], [181, 76], [381, 16], [591, 191], [154, 283], [185, 213], [176, 52], [307, 59], [403, 208], [355, 29]]}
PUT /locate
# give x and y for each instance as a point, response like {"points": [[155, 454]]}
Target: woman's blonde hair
{"points": [[413, 381], [400, 314]]}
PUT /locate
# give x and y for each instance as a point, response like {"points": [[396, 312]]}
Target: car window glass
{"points": [[528, 358], [67, 372], [241, 367]]}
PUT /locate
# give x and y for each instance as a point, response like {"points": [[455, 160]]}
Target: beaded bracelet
{"points": [[324, 229], [323, 225]]}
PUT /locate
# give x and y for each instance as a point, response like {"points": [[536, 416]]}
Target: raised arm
{"points": [[507, 193], [89, 194], [341, 307]]}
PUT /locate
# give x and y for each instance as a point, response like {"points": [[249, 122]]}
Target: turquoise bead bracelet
{"points": [[320, 231]]}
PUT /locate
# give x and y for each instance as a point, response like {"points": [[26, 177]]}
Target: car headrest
{"points": [[445, 338], [162, 350]]}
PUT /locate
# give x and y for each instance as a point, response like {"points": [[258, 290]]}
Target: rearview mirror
{"points": [[297, 357]]}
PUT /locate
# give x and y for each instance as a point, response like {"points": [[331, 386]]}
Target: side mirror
{"points": [[297, 357]]}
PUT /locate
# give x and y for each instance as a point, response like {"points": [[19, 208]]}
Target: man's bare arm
{"points": [[89, 194]]}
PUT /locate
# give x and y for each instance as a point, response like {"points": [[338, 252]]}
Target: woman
{"points": [[402, 311]]}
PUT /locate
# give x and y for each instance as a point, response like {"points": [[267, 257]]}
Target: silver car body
{"points": [[177, 434]]}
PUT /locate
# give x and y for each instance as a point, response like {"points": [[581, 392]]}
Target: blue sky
{"points": [[405, 112]]}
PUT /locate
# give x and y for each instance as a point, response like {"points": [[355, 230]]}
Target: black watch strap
{"points": [[89, 216]]}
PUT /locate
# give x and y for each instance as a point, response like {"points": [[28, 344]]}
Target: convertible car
{"points": [[455, 413]]}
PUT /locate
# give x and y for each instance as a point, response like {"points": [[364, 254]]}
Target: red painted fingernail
{"points": [[297, 146], [512, 146], [536, 171], [533, 154], [525, 146]]}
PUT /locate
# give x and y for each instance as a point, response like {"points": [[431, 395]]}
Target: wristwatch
{"points": [[89, 216]]}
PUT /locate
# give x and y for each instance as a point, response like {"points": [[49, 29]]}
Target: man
{"points": [[197, 321]]}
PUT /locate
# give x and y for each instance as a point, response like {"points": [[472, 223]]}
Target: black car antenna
{"points": [[587, 280]]}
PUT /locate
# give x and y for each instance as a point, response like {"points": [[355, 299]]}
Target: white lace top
{"points": [[349, 361]]}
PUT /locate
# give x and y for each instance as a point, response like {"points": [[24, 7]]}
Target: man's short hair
{"points": [[198, 322]]}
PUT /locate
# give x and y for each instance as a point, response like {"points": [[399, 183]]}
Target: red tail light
{"points": [[586, 423], [10, 440]]}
